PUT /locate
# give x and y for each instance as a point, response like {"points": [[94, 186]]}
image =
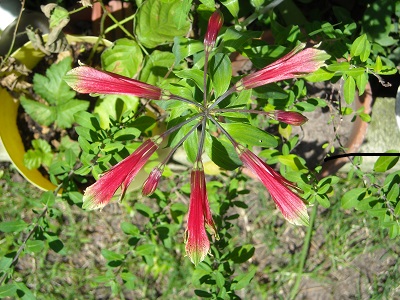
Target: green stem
{"points": [[112, 27], [304, 252], [117, 22]]}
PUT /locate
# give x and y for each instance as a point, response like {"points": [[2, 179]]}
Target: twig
{"points": [[14, 35]]}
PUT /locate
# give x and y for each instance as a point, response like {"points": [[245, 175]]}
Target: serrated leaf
{"points": [[41, 113], [13, 226], [123, 58], [349, 90], [253, 137], [385, 163], [221, 73], [66, 111], [52, 87], [156, 22], [352, 198]]}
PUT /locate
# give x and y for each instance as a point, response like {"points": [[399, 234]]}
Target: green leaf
{"points": [[221, 73], [361, 47], [145, 249], [158, 22], [87, 120], [320, 75], [8, 290], [242, 254], [34, 246], [193, 74], [349, 90], [111, 255], [126, 134], [352, 198], [222, 152], [385, 163], [184, 47], [114, 106], [52, 87], [243, 280], [144, 210], [123, 58], [156, 67], [292, 161], [393, 194], [41, 154], [323, 200], [41, 113], [232, 6], [65, 112], [130, 229], [13, 226], [191, 144], [253, 137]]}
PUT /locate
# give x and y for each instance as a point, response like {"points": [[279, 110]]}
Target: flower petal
{"points": [[88, 80]]}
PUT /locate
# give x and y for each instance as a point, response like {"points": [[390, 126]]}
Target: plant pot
{"points": [[9, 133]]}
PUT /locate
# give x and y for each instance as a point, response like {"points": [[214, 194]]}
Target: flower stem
{"points": [[304, 252], [202, 137], [181, 142], [222, 97], [180, 125], [224, 131]]}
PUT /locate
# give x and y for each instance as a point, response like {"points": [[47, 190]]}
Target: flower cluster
{"points": [[298, 62]]}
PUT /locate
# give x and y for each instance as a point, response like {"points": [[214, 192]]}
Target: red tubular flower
{"points": [[290, 204], [291, 65], [196, 239], [121, 175], [88, 80], [150, 185], [214, 25], [290, 117]]}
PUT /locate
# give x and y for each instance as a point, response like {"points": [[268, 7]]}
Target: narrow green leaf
{"points": [[253, 137], [221, 73], [349, 90]]}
